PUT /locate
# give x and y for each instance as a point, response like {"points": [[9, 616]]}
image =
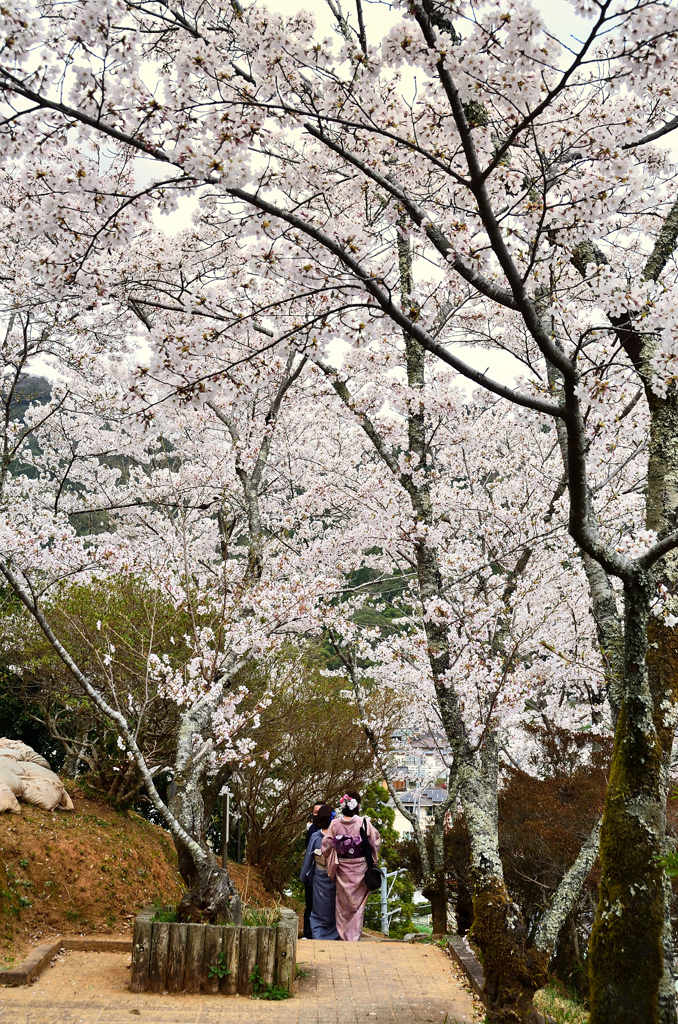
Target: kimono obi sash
{"points": [[349, 847], [320, 862]]}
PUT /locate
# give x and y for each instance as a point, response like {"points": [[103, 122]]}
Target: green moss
{"points": [[513, 970], [625, 952], [662, 669]]}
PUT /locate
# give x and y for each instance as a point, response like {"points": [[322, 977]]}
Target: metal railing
{"points": [[381, 907]]}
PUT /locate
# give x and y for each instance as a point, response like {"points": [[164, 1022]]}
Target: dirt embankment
{"points": [[89, 872], [83, 872]]}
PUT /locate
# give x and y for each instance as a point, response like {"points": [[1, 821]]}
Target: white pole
{"points": [[384, 902], [224, 830]]}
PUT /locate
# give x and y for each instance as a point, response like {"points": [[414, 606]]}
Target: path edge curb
{"points": [[37, 960], [468, 963]]}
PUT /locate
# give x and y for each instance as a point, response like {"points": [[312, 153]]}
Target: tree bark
{"points": [[513, 969], [626, 954]]}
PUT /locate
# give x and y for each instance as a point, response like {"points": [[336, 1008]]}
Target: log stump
{"points": [[212, 949], [214, 959], [231, 960]]}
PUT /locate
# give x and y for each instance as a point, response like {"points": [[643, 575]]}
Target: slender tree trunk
{"points": [[70, 768], [438, 897], [513, 973], [439, 891], [435, 887], [211, 895]]}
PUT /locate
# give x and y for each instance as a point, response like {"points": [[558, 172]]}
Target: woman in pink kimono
{"points": [[342, 847]]}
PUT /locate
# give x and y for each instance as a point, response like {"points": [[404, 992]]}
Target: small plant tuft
{"points": [[167, 914], [261, 917], [262, 990], [219, 969]]}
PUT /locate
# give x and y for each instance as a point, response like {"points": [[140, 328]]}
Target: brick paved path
{"points": [[347, 983]]}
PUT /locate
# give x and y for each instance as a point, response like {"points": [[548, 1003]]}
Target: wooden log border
{"points": [[174, 957]]}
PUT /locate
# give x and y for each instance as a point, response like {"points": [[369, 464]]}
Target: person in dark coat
{"points": [[314, 870], [311, 829]]}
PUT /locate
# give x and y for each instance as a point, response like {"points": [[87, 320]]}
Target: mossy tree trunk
{"points": [[635, 894], [662, 646], [626, 949], [514, 969]]}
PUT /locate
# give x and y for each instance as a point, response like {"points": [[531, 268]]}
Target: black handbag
{"points": [[373, 876]]}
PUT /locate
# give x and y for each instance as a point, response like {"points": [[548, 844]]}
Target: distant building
{"points": [[419, 760], [420, 802], [420, 773]]}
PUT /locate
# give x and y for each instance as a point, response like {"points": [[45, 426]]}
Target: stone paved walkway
{"points": [[347, 983]]}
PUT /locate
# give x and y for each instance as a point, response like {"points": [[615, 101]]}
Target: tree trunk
{"points": [[436, 890], [626, 956], [642, 747], [70, 768], [513, 970], [513, 973], [438, 897], [662, 666], [637, 807], [212, 898]]}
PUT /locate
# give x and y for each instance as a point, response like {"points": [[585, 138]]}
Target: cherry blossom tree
{"points": [[512, 595], [523, 174], [191, 502]]}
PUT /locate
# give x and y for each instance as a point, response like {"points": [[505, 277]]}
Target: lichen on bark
{"points": [[626, 954], [513, 970]]}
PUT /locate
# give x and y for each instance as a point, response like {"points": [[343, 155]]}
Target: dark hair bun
{"points": [[324, 816]]}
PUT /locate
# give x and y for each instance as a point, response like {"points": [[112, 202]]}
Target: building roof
{"points": [[426, 797]]}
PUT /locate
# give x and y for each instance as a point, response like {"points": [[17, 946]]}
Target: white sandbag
{"points": [[65, 804], [28, 776], [41, 786], [36, 758], [21, 751], [9, 777], [8, 802]]}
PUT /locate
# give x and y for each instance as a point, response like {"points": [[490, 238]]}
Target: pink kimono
{"points": [[343, 850]]}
